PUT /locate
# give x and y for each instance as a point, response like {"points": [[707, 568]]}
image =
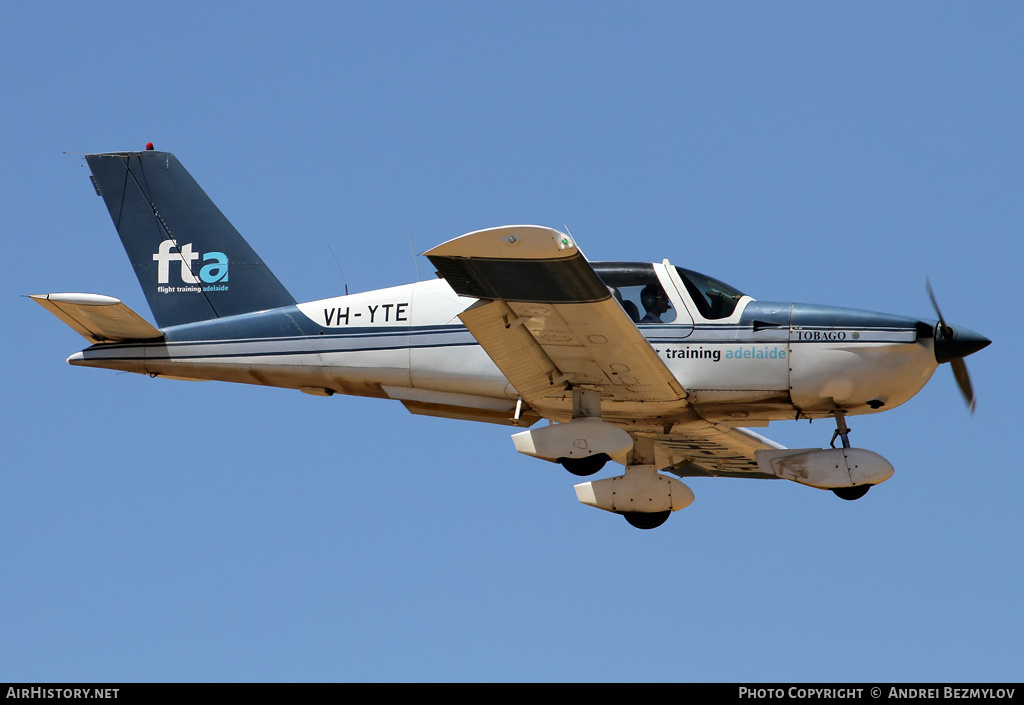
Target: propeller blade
{"points": [[946, 330], [954, 345], [963, 380]]}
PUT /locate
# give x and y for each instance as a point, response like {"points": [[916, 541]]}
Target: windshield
{"points": [[714, 299]]}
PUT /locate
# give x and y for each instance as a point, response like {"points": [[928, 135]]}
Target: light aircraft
{"points": [[654, 367]]}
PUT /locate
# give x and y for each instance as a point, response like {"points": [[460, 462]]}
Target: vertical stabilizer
{"points": [[191, 262]]}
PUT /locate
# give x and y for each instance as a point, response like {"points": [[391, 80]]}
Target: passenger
{"points": [[628, 306], [655, 300]]}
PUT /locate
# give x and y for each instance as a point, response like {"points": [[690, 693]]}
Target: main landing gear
{"points": [[843, 432], [642, 495], [585, 467], [647, 520]]}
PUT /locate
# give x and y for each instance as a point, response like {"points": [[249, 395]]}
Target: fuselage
{"points": [[647, 365], [742, 362]]}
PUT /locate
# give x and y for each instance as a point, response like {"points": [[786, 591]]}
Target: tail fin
{"points": [[191, 262]]}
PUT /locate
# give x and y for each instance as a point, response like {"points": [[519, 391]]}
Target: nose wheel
{"points": [[851, 493], [843, 432]]}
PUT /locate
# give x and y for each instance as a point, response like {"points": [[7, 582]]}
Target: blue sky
{"points": [[819, 152]]}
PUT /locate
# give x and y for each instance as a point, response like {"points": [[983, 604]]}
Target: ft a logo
{"points": [[214, 269]]}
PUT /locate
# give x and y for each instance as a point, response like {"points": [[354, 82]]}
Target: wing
{"points": [[548, 321]]}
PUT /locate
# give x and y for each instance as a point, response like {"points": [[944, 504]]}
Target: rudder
{"points": [[190, 261]]}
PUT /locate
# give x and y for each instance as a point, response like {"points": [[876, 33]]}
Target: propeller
{"points": [[952, 345]]}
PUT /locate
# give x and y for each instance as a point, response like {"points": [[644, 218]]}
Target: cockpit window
{"points": [[713, 298], [636, 287]]}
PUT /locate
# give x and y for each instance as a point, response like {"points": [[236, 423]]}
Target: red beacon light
{"points": [[149, 146]]}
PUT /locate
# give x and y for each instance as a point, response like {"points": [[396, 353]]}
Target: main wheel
{"points": [[584, 467], [851, 493], [647, 520]]}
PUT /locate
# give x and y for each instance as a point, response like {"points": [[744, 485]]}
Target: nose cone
{"points": [[955, 342]]}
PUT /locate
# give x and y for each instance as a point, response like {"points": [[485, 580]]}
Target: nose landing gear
{"points": [[843, 432], [851, 493]]}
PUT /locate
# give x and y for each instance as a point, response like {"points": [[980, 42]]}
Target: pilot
{"points": [[655, 301]]}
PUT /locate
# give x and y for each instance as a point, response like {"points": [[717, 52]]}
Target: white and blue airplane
{"points": [[654, 367]]}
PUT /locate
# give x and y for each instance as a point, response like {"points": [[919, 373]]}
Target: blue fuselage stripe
{"points": [[427, 337]]}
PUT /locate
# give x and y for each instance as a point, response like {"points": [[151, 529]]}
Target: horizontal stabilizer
{"points": [[100, 319]]}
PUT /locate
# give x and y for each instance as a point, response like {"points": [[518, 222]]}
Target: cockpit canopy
{"points": [[714, 299], [638, 289]]}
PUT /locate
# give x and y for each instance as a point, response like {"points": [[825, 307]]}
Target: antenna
{"points": [[417, 264], [344, 281]]}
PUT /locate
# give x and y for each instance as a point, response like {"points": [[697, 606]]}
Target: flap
{"points": [[714, 451]]}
